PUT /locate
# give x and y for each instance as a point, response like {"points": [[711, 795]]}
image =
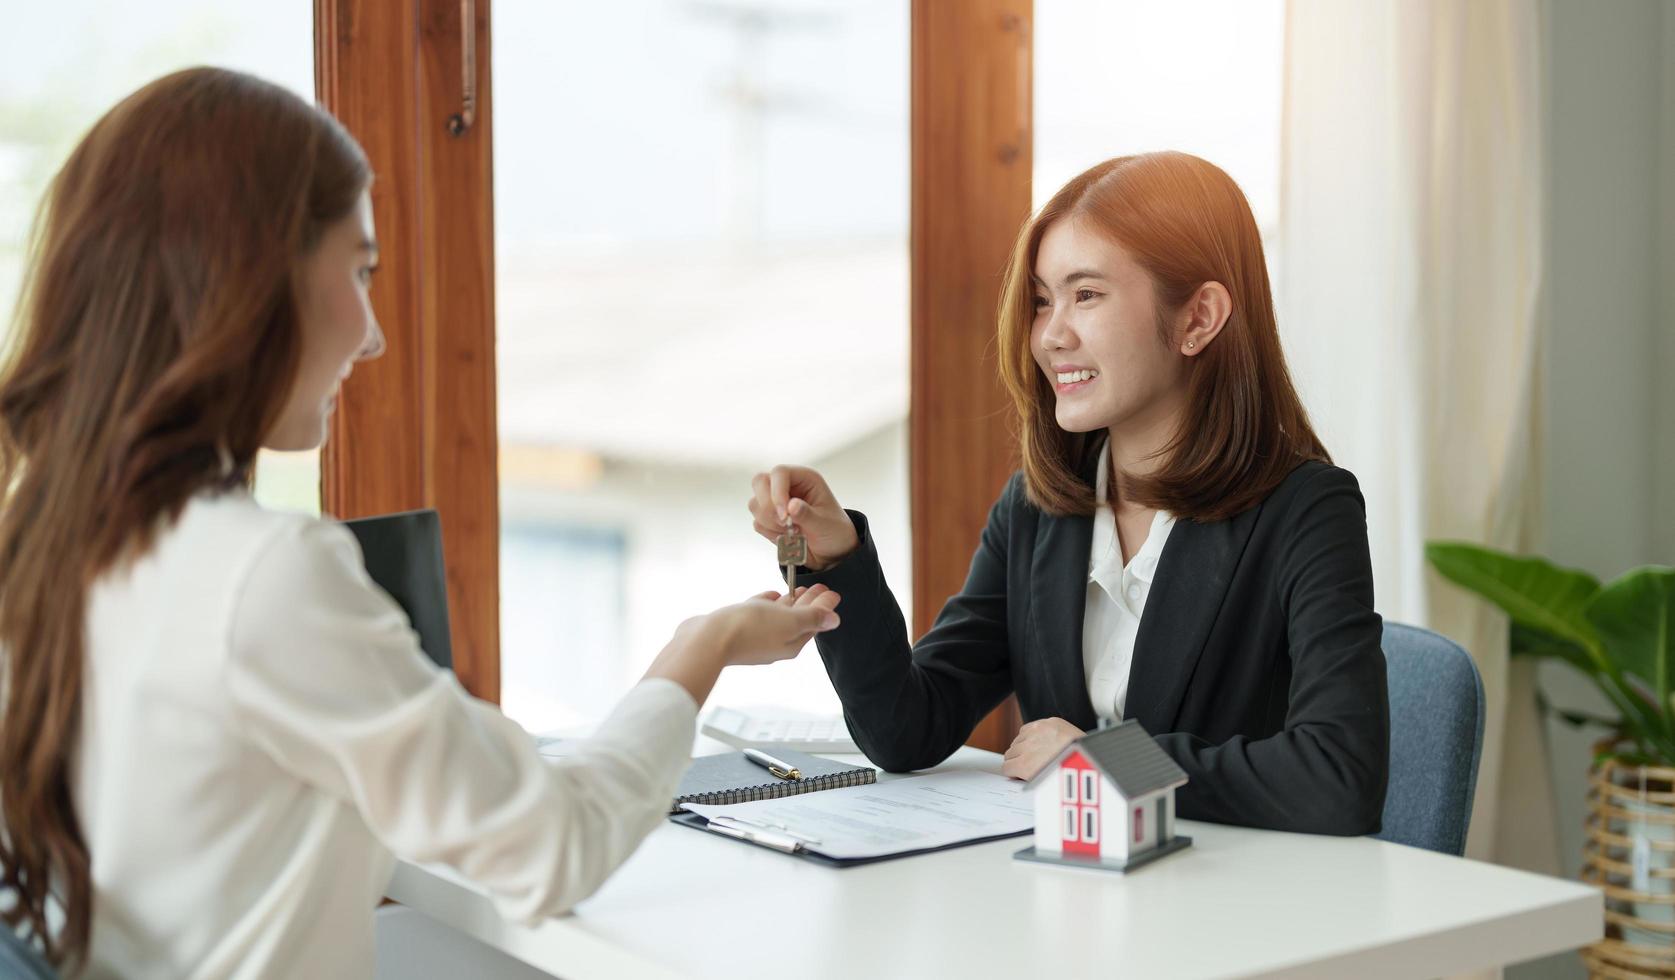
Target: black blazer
{"points": [[1257, 666]]}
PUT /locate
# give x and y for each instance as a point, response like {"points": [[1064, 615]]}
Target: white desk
{"points": [[1237, 903]]}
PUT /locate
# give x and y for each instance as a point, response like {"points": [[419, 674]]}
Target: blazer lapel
{"points": [[1059, 573], [1060, 576], [1186, 595]]}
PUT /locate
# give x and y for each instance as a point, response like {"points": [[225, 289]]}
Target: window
{"points": [[1090, 824], [1068, 792], [1139, 823], [700, 235], [1090, 787], [1071, 823], [62, 65], [1105, 86]]}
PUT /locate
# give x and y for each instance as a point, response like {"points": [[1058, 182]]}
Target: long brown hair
{"points": [[1186, 223], [157, 342]]}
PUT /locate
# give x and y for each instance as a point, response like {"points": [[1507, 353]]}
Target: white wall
{"points": [[1604, 419], [1663, 499], [1609, 456]]}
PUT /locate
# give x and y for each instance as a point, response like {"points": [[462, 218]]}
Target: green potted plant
{"points": [[1621, 636]]}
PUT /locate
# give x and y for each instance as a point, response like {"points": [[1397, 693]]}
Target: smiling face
{"points": [[1095, 334], [1139, 292], [337, 326]]}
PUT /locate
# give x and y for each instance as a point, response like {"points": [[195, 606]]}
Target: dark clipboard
{"points": [[698, 823]]}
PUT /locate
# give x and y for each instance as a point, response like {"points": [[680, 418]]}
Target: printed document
{"points": [[911, 814]]}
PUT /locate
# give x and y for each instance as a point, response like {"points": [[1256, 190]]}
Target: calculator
{"points": [[756, 729]]}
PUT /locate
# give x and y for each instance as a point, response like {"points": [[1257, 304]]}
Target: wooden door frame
{"points": [[417, 428]]}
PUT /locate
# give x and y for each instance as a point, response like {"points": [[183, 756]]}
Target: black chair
{"points": [[403, 554]]}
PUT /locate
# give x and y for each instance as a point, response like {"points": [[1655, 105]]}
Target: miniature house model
{"points": [[1107, 800]]}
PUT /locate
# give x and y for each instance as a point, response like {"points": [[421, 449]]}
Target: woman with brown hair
{"points": [[1176, 549], [218, 734]]}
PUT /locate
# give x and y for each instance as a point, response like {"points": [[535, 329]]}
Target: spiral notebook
{"points": [[731, 778]]}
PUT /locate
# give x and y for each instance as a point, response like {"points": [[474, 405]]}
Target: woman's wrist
{"points": [[716, 633], [822, 563], [696, 654]]}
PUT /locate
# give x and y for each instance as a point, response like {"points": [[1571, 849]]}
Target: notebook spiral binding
{"points": [[779, 788]]}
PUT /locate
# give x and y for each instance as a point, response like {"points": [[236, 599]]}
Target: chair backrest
{"points": [[19, 960], [403, 554], [1436, 739]]}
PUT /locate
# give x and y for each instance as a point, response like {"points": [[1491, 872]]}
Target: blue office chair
{"points": [[1436, 739], [19, 960]]}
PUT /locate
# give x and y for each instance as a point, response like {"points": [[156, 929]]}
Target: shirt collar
{"points": [[1105, 557]]}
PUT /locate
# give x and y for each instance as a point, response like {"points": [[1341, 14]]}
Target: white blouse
{"points": [[262, 738], [1116, 600]]}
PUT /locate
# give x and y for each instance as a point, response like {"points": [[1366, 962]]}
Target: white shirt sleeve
{"points": [[326, 675]]}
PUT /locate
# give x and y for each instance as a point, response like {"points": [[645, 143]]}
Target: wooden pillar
{"points": [[972, 161], [417, 428]]}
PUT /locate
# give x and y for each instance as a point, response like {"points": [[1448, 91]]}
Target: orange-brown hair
{"points": [[156, 345], [1186, 223]]}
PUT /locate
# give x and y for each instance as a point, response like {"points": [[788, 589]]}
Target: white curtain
{"points": [[1408, 286]]}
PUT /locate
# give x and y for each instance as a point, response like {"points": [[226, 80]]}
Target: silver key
{"points": [[793, 551]]}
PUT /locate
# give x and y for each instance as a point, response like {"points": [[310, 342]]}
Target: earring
{"points": [[1191, 344]]}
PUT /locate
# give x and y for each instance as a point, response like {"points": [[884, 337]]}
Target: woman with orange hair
{"points": [[217, 733], [1177, 548]]}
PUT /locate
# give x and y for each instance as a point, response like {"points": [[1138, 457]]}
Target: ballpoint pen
{"points": [[777, 841], [784, 770], [777, 828]]}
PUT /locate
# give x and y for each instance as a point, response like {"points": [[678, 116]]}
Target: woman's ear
{"points": [[1206, 313]]}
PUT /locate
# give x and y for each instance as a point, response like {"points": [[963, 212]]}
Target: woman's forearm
{"points": [[903, 714], [694, 657]]}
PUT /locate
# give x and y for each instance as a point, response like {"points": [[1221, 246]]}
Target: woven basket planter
{"points": [[1625, 802]]}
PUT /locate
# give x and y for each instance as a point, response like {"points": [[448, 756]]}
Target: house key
{"points": [[793, 551]]}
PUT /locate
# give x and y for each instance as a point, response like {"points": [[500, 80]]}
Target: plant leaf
{"points": [[1533, 591], [1527, 641], [1635, 618]]}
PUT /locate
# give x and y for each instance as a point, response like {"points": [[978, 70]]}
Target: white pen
{"points": [[767, 825], [773, 839], [784, 770]]}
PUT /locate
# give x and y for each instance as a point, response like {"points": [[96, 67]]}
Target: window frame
{"points": [[418, 428]]}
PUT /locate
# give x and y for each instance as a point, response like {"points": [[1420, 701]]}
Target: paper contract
{"points": [[912, 814]]}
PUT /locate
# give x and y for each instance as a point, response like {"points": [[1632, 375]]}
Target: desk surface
{"points": [[1237, 903]]}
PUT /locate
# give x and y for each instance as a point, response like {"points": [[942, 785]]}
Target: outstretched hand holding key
{"points": [[794, 508]]}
